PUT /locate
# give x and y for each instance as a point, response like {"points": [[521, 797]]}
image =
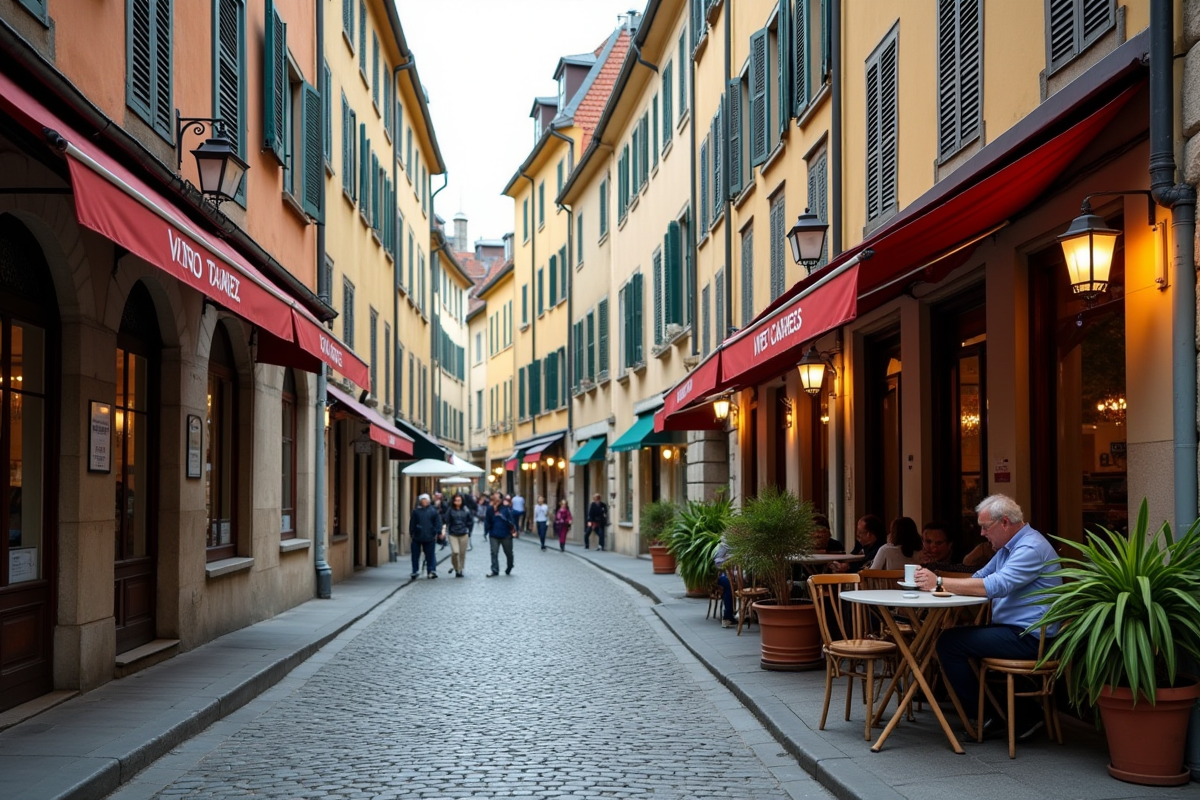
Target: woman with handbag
{"points": [[597, 521], [459, 521], [562, 524]]}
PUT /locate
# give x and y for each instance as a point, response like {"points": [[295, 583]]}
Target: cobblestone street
{"points": [[556, 681]]}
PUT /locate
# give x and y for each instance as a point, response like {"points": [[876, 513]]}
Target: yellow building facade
{"points": [[500, 369]]}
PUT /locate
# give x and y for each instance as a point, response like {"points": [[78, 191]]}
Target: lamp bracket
{"points": [[197, 125], [1086, 206]]}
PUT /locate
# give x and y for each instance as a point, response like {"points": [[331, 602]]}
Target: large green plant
{"points": [[656, 520], [694, 538], [772, 530], [1130, 609]]}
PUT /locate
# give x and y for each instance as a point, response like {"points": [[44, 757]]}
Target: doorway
{"points": [[884, 476]]}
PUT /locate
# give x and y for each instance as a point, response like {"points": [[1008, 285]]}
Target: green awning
{"points": [[592, 450], [641, 434]]}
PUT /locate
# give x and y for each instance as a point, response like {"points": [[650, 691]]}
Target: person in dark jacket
{"points": [[425, 528], [439, 502], [499, 527], [597, 521], [459, 521]]}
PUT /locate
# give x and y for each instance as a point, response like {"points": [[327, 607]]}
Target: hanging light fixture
{"points": [[666, 453], [721, 408], [812, 371], [807, 238], [1088, 245]]}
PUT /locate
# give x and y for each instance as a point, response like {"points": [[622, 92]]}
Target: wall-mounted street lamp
{"points": [[812, 371], [1088, 246], [807, 238], [221, 168], [724, 409], [788, 408]]}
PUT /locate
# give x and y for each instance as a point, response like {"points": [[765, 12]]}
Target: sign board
{"points": [[194, 441], [100, 437]]}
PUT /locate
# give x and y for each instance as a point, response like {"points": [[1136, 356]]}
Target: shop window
{"points": [[221, 480], [22, 429], [287, 522], [627, 488]]}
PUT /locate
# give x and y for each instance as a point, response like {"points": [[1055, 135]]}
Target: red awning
{"points": [[112, 201], [938, 229], [534, 453], [380, 430], [698, 418], [313, 338], [700, 383]]}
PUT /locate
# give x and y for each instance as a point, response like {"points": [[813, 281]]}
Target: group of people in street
{"points": [[503, 518]]}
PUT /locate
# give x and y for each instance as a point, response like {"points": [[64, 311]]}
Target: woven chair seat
{"points": [[860, 648]]}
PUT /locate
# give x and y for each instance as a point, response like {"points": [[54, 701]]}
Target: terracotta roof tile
{"points": [[591, 107]]}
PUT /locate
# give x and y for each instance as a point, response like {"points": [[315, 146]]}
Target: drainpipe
{"points": [[835, 133], [1181, 200], [435, 318], [693, 270], [532, 299], [569, 282], [727, 323], [325, 292]]}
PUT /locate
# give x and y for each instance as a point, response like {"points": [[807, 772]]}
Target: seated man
{"points": [[823, 541], [720, 556], [1020, 568], [939, 551]]}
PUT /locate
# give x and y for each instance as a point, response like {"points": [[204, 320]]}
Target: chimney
{"points": [[460, 232]]}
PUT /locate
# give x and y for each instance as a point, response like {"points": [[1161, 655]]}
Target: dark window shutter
{"points": [[1096, 19], [658, 279], [521, 393], [535, 388], [758, 98], [362, 36], [706, 322], [275, 88], [551, 381], [673, 272], [970, 60], [801, 55], [639, 323], [588, 348], [888, 127], [139, 53], [960, 49], [734, 148], [563, 274], [704, 178], [778, 268], [654, 133], [717, 137], [164, 110], [603, 200], [553, 280], [720, 328], [348, 18], [698, 23], [645, 149], [229, 71], [747, 276], [826, 41], [577, 354], [541, 291], [1060, 16], [601, 340], [668, 89], [785, 63], [326, 114], [948, 75], [314, 172], [818, 196]]}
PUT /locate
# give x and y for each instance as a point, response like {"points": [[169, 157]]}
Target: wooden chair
{"points": [[715, 596], [852, 657], [744, 597], [976, 615], [880, 578], [1011, 668]]}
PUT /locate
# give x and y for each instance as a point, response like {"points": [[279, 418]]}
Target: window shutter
{"points": [[645, 149], [577, 344], [873, 168], [959, 73], [551, 381], [140, 55], [639, 325], [658, 298], [601, 340], [275, 89], [719, 325], [948, 75], [521, 393], [362, 36], [348, 18], [698, 24], [888, 133], [802, 55], [758, 98], [603, 199], [563, 275], [326, 114], [164, 110], [535, 388], [1060, 31], [970, 69], [654, 133], [747, 276], [375, 68], [1097, 18], [589, 347], [704, 176], [314, 172], [553, 281], [826, 41], [778, 268], [229, 70], [734, 149], [668, 88], [347, 138], [363, 196], [673, 275], [818, 197], [718, 165], [705, 322], [785, 63]]}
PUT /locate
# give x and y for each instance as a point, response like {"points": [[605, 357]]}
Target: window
{"points": [[560, 176], [623, 189], [659, 279], [882, 129], [372, 329], [148, 63], [562, 90], [277, 92], [553, 281], [705, 322], [818, 194], [541, 204], [668, 88], [1073, 25], [362, 37], [348, 20], [387, 363], [479, 409], [229, 78], [720, 326], [645, 159], [578, 239], [715, 138], [736, 148], [778, 231], [563, 273], [525, 304], [287, 502], [541, 295], [221, 480], [375, 69], [684, 61], [705, 207], [747, 275], [654, 132], [699, 26], [759, 96], [602, 340], [627, 474], [603, 202], [348, 313], [479, 348], [327, 115], [960, 65], [525, 220], [632, 327]]}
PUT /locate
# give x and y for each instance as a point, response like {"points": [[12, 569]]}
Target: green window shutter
{"points": [[785, 66], [577, 355], [758, 98], [327, 114], [541, 204], [553, 280], [826, 42], [639, 325], [139, 57], [551, 381], [718, 163], [314, 172], [668, 94], [601, 339], [673, 274], [698, 24], [164, 109], [535, 388], [521, 393], [603, 201], [348, 18], [734, 149], [704, 178], [275, 85], [624, 299], [801, 55], [229, 84], [579, 238], [541, 293], [818, 198], [645, 148], [778, 231], [589, 346], [364, 149], [721, 328], [347, 138], [362, 36], [375, 68], [524, 303], [658, 279], [654, 133], [747, 276], [564, 275]]}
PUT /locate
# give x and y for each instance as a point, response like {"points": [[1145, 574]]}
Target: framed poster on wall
{"points": [[99, 436], [195, 438]]}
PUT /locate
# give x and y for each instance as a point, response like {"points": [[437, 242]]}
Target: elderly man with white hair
{"points": [[1021, 567], [424, 526]]}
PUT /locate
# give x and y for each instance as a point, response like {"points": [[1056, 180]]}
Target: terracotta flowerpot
{"points": [[1146, 742], [791, 639], [663, 561], [700, 591]]}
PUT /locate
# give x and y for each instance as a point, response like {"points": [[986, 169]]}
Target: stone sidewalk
{"points": [[89, 745]]}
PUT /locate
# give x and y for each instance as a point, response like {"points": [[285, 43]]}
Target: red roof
{"points": [[591, 107], [471, 266]]}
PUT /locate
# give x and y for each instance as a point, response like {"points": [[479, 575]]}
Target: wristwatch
{"points": [[939, 583]]}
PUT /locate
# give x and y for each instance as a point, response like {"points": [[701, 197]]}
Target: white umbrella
{"points": [[455, 481], [431, 468], [464, 467]]}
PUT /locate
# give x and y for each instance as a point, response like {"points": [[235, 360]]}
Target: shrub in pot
{"points": [[656, 521], [1130, 613], [693, 540], [772, 531]]}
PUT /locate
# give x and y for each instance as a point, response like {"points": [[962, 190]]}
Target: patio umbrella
{"points": [[431, 468], [464, 467], [456, 481]]}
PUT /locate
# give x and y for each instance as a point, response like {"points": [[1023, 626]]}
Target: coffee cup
{"points": [[910, 573]]}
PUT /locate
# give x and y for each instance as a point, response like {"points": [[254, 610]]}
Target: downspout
{"points": [[637, 55], [533, 228], [835, 133], [324, 291], [570, 281], [727, 323], [693, 270], [1181, 200]]}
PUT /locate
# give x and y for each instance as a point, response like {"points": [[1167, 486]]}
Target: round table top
{"points": [[896, 597], [828, 558]]}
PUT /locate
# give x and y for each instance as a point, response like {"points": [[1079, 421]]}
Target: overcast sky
{"points": [[482, 63]]}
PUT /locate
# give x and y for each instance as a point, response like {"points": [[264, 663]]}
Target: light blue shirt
{"points": [[1019, 569], [518, 504]]}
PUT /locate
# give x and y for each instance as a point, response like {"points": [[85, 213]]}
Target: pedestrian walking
{"points": [[439, 502], [482, 504], [500, 527], [425, 527], [597, 521], [518, 508], [541, 518], [459, 521], [562, 524]]}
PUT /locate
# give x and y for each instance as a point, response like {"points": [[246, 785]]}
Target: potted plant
{"points": [[772, 531], [656, 521], [1130, 612], [693, 540]]}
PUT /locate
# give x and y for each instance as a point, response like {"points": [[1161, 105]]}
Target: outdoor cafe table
{"points": [[814, 563], [928, 614]]}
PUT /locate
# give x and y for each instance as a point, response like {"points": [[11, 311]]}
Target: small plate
{"points": [[910, 595], [906, 585]]}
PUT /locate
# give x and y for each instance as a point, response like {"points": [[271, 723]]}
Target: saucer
{"points": [[906, 585], [910, 595]]}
